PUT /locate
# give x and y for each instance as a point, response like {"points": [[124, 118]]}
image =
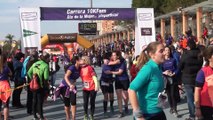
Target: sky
{"points": [[9, 14]]}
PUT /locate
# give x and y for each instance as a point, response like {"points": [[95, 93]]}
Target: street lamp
{"points": [[91, 2]]}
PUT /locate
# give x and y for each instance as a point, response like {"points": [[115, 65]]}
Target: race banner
{"points": [[144, 28], [49, 13], [30, 28]]}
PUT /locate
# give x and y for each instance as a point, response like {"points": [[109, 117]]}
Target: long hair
{"points": [[170, 50], [2, 60], [74, 59], [208, 54], [143, 58], [86, 60]]}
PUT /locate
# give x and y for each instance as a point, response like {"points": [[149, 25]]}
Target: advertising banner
{"points": [[30, 28], [48, 13], [62, 38], [144, 28]]}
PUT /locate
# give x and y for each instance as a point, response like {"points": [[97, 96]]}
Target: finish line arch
{"points": [[65, 38], [30, 19]]}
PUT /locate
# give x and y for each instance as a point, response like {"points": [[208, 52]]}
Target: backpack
{"points": [[35, 81], [34, 84]]}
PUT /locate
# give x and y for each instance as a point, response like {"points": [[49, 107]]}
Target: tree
{"points": [[8, 44], [10, 37], [164, 6], [156, 4]]}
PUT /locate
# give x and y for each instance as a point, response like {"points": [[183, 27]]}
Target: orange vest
{"points": [[184, 43], [86, 74], [207, 92]]}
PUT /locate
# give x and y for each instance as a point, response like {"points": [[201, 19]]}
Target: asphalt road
{"points": [[54, 110]]}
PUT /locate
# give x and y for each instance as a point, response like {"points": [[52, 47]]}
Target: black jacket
{"points": [[190, 64]]}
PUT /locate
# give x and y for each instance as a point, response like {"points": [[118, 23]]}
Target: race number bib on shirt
{"points": [[104, 83], [86, 85]]}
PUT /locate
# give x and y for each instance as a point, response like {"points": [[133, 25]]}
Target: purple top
{"points": [[171, 65], [5, 73], [200, 79], [123, 75], [105, 76], [75, 74]]}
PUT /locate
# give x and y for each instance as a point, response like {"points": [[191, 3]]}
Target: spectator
{"points": [[170, 71], [18, 80], [41, 68], [5, 72], [190, 64], [32, 59], [204, 88]]}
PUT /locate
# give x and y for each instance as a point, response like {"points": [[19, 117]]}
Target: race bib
{"points": [[86, 85], [104, 83]]}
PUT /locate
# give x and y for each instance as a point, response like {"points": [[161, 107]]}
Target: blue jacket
{"points": [[24, 68]]}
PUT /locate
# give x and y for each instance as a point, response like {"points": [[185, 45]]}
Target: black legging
{"points": [[171, 90], [38, 99], [92, 95], [29, 100], [16, 102], [207, 112], [159, 116]]}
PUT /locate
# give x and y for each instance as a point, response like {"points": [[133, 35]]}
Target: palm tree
{"points": [[9, 42], [10, 37]]}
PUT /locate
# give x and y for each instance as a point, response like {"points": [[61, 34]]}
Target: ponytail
{"points": [[1, 61], [143, 58]]}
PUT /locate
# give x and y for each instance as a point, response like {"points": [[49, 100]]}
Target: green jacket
{"points": [[42, 69]]}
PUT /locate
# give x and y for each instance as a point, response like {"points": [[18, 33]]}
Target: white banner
{"points": [[144, 28], [30, 28]]}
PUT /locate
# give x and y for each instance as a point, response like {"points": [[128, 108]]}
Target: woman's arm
{"points": [[66, 77], [133, 99], [200, 79], [119, 72], [197, 102], [135, 105], [107, 72], [95, 79], [197, 97], [114, 62]]}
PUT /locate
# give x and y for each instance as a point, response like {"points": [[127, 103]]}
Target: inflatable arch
{"points": [[67, 40]]}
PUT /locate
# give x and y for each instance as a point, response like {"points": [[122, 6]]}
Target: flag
{"points": [[144, 28], [30, 28]]}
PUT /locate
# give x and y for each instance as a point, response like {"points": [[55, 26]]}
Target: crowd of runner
{"points": [[162, 70]]}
